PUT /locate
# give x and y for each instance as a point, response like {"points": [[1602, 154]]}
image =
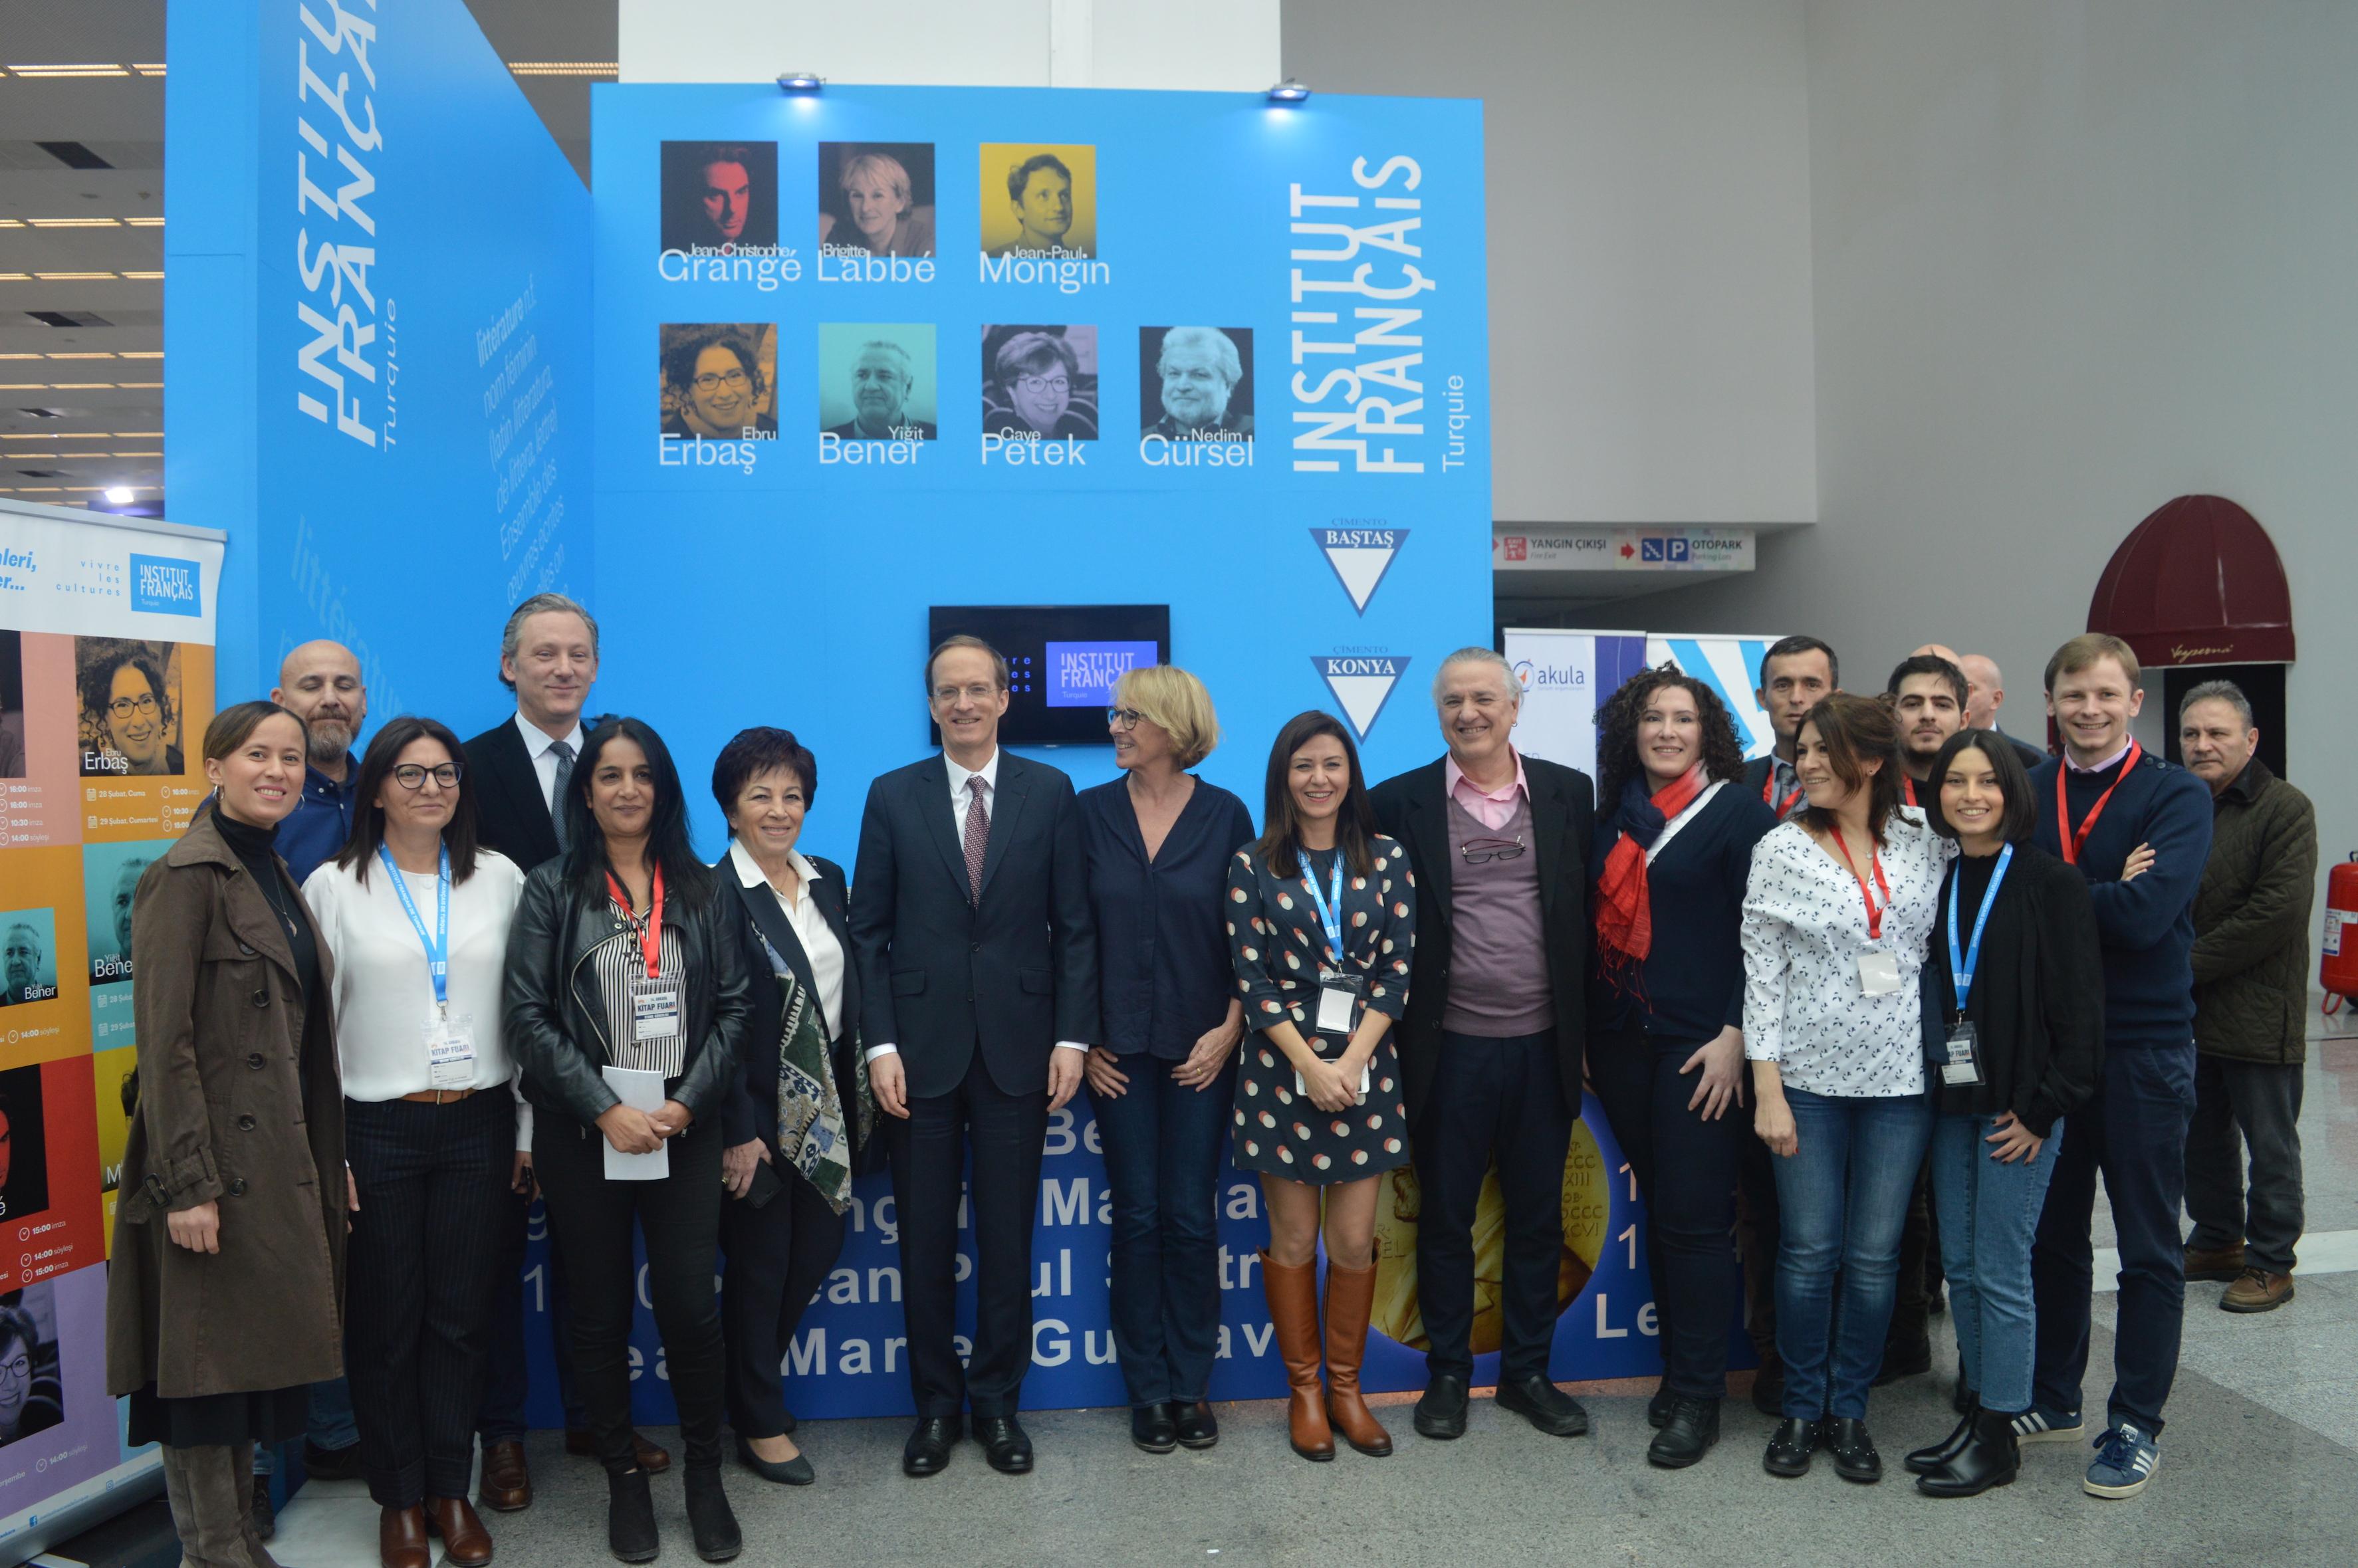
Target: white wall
{"points": [[1648, 181], [2075, 257], [1205, 46]]}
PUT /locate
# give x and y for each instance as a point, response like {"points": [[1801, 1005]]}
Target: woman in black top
{"points": [[1666, 1038], [626, 967], [1158, 841], [2014, 1028]]}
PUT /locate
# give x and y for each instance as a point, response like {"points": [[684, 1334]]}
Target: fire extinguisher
{"points": [[2337, 970]]}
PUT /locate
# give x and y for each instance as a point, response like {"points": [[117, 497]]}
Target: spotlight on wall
{"points": [[1289, 91], [119, 495], [800, 81]]}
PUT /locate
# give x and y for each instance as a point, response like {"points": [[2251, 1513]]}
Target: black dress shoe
{"points": [[711, 1518], [1934, 1456], [1151, 1428], [1659, 1408], [927, 1452], [1790, 1447], [1768, 1389], [794, 1472], [630, 1518], [1687, 1436], [1904, 1361], [1005, 1444], [1854, 1451], [1194, 1421], [1441, 1412], [1544, 1405]]}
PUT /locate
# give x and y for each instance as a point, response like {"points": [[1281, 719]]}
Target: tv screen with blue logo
{"points": [[1061, 661]]}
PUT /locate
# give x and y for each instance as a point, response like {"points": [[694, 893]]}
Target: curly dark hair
{"points": [[1616, 731]]}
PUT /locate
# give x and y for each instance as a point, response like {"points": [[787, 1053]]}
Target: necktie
{"points": [[978, 838], [563, 749]]}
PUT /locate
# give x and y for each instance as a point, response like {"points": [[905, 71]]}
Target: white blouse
{"points": [[384, 995], [1806, 927], [803, 913]]}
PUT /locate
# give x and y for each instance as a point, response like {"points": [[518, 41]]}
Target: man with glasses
{"points": [[1497, 1020], [971, 925]]}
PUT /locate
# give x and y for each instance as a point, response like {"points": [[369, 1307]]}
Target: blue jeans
{"points": [[1989, 1211], [1163, 1145], [1844, 1200]]}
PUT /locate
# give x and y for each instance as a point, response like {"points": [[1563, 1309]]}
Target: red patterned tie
{"points": [[978, 838]]}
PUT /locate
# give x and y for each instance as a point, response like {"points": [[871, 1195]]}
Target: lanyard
{"points": [[2073, 842], [1330, 904], [650, 934], [1907, 787], [1963, 962], [1874, 915], [438, 946], [1769, 793]]}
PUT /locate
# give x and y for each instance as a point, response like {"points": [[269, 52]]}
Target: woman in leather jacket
{"points": [[626, 1005]]}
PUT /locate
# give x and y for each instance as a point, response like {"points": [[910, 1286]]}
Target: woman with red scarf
{"points": [[1666, 1044]]}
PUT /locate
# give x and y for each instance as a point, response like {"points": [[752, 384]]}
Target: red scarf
{"points": [[1625, 915]]}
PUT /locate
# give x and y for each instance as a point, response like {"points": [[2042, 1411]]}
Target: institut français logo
{"points": [[1360, 553], [1362, 683]]}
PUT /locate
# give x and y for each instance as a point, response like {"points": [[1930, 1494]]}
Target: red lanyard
{"points": [[650, 934], [1874, 915], [1769, 793], [1908, 786], [2073, 842]]}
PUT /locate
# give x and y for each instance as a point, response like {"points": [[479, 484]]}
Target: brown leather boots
{"points": [[1314, 1412]]}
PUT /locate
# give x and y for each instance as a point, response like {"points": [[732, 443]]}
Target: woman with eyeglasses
{"points": [[628, 1003], [1037, 391], [417, 916], [125, 699], [716, 388], [1158, 841]]}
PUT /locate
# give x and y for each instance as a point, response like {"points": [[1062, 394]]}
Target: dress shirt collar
{"points": [[2113, 761], [751, 874], [1454, 784], [537, 740], [988, 774]]}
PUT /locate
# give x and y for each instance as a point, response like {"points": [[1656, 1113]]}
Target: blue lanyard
{"points": [[438, 946], [1962, 963], [1330, 904]]}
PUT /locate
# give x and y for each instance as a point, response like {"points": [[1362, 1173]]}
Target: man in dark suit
{"points": [[978, 976], [1490, 1048], [517, 771]]}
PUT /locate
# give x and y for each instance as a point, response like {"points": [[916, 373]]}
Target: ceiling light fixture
{"points": [[800, 81], [1289, 91]]}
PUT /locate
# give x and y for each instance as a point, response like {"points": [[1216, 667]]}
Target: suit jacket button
{"points": [[254, 1060], [245, 1123], [245, 950], [262, 996], [237, 1189]]}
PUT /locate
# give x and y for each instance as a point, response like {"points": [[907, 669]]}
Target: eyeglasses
{"points": [[1123, 718], [125, 707], [975, 693], [1038, 384], [412, 776], [735, 380], [16, 1370], [1478, 852]]}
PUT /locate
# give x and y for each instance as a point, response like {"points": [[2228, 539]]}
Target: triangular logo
{"points": [[1360, 557], [1362, 683]]}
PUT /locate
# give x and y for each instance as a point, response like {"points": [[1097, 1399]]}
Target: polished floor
{"points": [[2259, 1463]]}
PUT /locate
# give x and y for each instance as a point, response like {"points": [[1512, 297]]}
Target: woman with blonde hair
{"points": [[884, 220], [1159, 840]]}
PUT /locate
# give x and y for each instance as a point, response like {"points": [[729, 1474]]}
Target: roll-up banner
{"points": [[106, 684]]}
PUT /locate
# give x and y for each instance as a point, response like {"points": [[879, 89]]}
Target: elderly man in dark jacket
{"points": [[2251, 996]]}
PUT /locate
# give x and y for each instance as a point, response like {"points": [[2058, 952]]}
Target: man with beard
{"points": [[1199, 369], [21, 957], [319, 683], [1928, 694], [881, 380]]}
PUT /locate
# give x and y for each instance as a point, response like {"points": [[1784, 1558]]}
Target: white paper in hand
{"points": [[641, 1091]]}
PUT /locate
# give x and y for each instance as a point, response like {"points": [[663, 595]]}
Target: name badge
{"points": [[1878, 974], [1963, 1067], [1337, 989], [450, 1051], [654, 1010]]}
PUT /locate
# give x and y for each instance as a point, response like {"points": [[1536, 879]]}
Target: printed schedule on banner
{"points": [[106, 686]]}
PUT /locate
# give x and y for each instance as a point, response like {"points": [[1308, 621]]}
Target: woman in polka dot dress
{"points": [[1322, 926]]}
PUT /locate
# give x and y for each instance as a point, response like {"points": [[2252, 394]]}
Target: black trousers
{"points": [[928, 1152], [2240, 1106], [679, 1217], [420, 1264], [1502, 1098], [506, 1384], [779, 1255], [1759, 1233], [1686, 1169]]}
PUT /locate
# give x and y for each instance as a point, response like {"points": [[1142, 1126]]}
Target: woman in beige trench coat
{"points": [[225, 1297]]}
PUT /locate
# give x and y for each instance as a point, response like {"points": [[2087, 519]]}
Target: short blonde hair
{"points": [[1177, 702], [2087, 648]]}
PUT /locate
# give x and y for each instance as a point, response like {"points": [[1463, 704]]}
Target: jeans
{"points": [[1163, 1146], [332, 1426], [1686, 1169], [1989, 1211], [1843, 1198], [2133, 1130], [2240, 1105]]}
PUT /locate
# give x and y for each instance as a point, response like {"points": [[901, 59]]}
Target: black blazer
{"points": [[1412, 808], [509, 814], [941, 979], [751, 1109]]}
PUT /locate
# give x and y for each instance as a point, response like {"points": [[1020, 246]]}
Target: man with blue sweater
{"points": [[2139, 831]]}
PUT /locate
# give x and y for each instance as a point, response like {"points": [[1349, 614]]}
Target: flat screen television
{"points": [[1061, 661]]}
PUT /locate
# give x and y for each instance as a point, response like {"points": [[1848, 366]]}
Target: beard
{"points": [[330, 741]]}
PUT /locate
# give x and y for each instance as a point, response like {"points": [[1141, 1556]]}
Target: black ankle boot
{"points": [[711, 1519], [630, 1516], [1921, 1460], [1687, 1436], [1989, 1457]]}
